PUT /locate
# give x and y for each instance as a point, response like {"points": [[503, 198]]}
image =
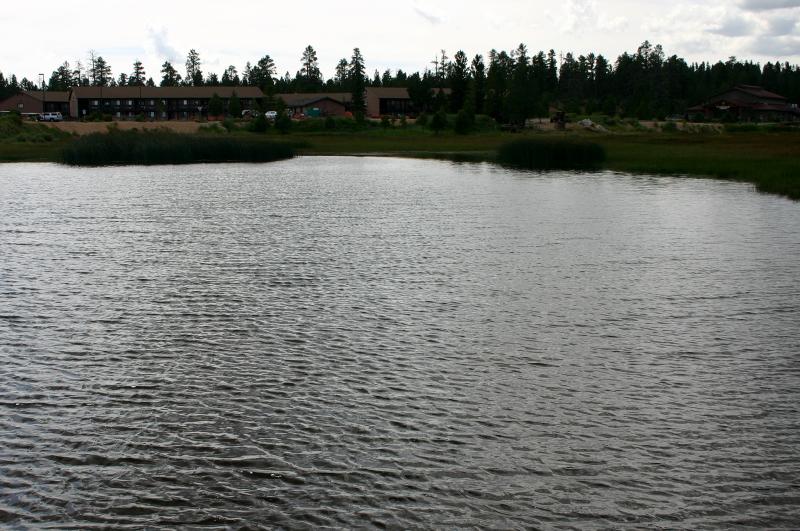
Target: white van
{"points": [[51, 117]]}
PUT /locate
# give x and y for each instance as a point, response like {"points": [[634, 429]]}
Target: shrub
{"points": [[330, 123], [165, 147], [551, 153], [283, 124], [229, 124], [439, 121], [422, 120], [259, 125], [385, 122], [669, 127], [465, 122]]}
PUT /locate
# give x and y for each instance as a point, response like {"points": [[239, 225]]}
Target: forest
{"points": [[510, 86]]}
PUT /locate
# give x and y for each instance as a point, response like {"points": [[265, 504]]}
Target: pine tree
{"points": [[355, 75], [459, 79], [170, 76], [137, 78], [310, 64], [194, 75]]}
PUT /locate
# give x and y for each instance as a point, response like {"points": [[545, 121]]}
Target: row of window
{"points": [[95, 103]]}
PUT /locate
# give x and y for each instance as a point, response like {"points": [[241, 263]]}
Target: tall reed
{"points": [[551, 153], [165, 147]]}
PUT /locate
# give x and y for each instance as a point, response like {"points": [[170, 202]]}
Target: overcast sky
{"points": [[405, 34]]}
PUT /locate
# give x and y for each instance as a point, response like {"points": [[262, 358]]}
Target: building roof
{"points": [[757, 92], [299, 99], [49, 95], [204, 92]]}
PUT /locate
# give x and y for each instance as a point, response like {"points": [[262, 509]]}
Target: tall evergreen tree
{"points": [[138, 76], [459, 80], [169, 76], [310, 64], [194, 75], [358, 82]]}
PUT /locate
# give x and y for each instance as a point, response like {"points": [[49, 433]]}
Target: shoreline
{"points": [[768, 160]]}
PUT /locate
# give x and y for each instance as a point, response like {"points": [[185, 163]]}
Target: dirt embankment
{"points": [[84, 128]]}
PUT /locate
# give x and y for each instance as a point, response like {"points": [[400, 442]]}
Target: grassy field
{"points": [[768, 159]]}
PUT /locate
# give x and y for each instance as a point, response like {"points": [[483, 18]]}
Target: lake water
{"points": [[364, 342]]}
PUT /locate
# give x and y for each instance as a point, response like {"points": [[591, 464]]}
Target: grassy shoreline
{"points": [[769, 160]]}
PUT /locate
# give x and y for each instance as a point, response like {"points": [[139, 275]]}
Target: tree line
{"points": [[509, 86]]}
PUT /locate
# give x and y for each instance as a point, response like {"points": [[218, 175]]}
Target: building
{"points": [[381, 101], [748, 103], [155, 103], [37, 102], [310, 104]]}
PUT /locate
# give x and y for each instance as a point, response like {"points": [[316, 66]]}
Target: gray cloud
{"points": [[778, 47], [768, 5], [433, 19], [782, 26], [734, 27], [160, 42]]}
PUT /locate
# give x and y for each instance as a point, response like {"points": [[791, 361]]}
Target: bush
{"points": [[669, 127], [259, 125], [283, 124], [229, 124], [140, 117], [439, 121], [422, 120], [465, 122], [385, 122], [330, 123], [551, 153], [165, 147]]}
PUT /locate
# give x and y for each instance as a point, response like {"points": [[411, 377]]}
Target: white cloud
{"points": [[406, 34]]}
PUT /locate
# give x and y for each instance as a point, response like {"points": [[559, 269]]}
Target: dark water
{"points": [[333, 342]]}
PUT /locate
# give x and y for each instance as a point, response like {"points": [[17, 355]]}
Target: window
{"points": [[152, 114], [95, 103], [118, 114], [20, 105], [117, 103], [185, 102], [130, 102], [152, 102]]}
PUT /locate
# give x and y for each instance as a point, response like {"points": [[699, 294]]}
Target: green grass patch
{"points": [[771, 161], [543, 153], [165, 147]]}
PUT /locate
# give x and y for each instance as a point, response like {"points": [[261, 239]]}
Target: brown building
{"points": [[325, 104], [155, 103], [393, 101], [748, 103], [37, 102]]}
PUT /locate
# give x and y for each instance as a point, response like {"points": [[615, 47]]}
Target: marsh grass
{"points": [[770, 161], [165, 147], [545, 153]]}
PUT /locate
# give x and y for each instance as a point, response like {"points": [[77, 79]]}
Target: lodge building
{"points": [[37, 102], [155, 103], [191, 103], [748, 103]]}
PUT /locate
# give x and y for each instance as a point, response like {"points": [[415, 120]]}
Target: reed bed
{"points": [[166, 147]]}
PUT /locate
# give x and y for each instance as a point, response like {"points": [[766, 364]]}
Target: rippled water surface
{"points": [[341, 342]]}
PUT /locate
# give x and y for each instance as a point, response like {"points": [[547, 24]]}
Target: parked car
{"points": [[50, 117], [271, 115]]}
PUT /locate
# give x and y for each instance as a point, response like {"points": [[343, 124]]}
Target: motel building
{"points": [[31, 103], [155, 103], [191, 103]]}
